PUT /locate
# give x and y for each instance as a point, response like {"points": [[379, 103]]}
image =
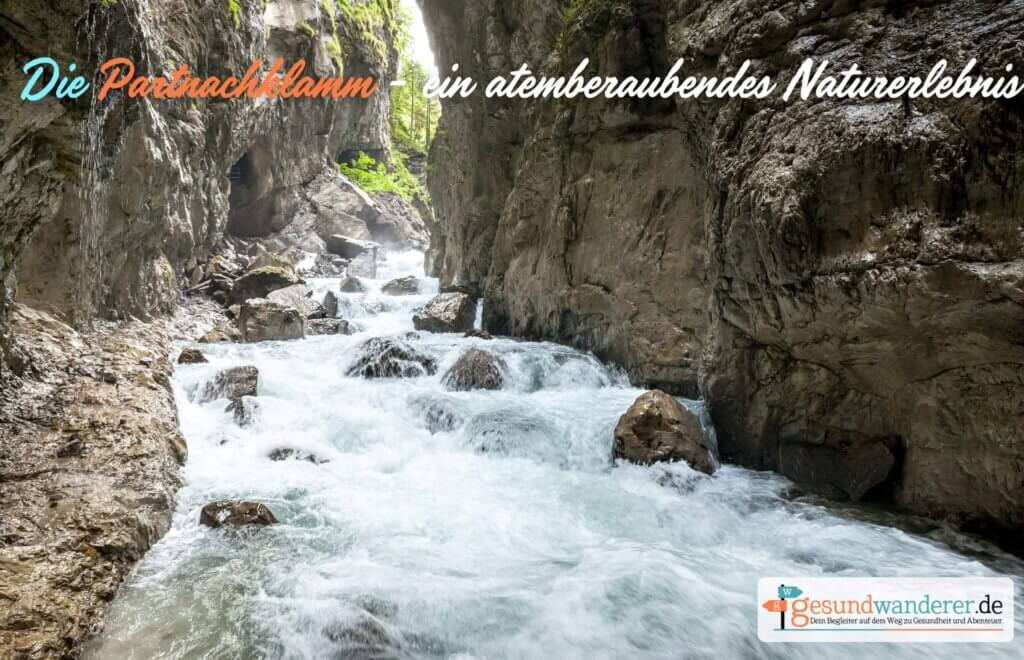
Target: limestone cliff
{"points": [[843, 282], [108, 204]]}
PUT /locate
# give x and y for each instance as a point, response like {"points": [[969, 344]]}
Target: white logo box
{"points": [[893, 610]]}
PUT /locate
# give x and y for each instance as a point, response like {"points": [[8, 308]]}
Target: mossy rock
{"points": [[259, 282]]}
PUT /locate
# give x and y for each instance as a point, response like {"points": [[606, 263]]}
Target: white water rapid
{"points": [[511, 536]]}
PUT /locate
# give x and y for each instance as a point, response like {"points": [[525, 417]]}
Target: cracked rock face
{"points": [[89, 464], [835, 278]]}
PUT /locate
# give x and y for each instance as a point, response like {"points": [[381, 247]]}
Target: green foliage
{"points": [[307, 28], [414, 117], [235, 11], [373, 22], [374, 177]]}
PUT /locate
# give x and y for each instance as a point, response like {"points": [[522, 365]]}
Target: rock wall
{"points": [[108, 204], [841, 281]]}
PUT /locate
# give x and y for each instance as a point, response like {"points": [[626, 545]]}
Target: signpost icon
{"points": [[780, 605]]}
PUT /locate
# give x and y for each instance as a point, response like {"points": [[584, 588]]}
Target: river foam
{"points": [[511, 535]]}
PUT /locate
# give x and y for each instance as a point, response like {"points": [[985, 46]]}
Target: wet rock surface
{"points": [[236, 514], [403, 286], [90, 455], [245, 410], [232, 383], [286, 454], [657, 429], [391, 358], [852, 301], [352, 285], [330, 304], [476, 370], [328, 327], [192, 356], [263, 320], [447, 312]]}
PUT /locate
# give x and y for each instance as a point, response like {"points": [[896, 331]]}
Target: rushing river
{"points": [[511, 536]]}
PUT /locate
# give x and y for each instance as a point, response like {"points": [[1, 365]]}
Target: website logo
{"points": [[885, 610]]}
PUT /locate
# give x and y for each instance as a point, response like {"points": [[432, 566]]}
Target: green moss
{"points": [[307, 28], [333, 46], [270, 270], [235, 11], [374, 23], [586, 21]]}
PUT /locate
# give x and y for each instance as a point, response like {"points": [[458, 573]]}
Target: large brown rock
{"points": [[447, 312], [236, 514], [260, 282], [834, 273], [192, 356], [233, 383], [263, 320], [476, 370], [658, 428]]}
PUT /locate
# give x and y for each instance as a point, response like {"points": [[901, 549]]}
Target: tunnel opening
{"points": [[251, 196]]}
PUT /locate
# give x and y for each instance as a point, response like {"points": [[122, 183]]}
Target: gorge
{"points": [[833, 288]]}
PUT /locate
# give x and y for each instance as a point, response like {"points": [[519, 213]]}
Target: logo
{"points": [[885, 610]]}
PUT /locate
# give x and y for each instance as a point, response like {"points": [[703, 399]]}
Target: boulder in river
{"points": [[285, 454], [316, 327], [192, 356], [447, 312], [232, 383], [839, 473], [440, 413], [298, 297], [330, 304], [228, 513], [352, 285], [476, 370], [658, 428], [223, 332], [245, 410], [263, 320], [260, 282], [478, 334], [403, 286], [391, 358], [349, 248]]}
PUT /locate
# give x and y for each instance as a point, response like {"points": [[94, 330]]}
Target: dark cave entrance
{"points": [[251, 199]]}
